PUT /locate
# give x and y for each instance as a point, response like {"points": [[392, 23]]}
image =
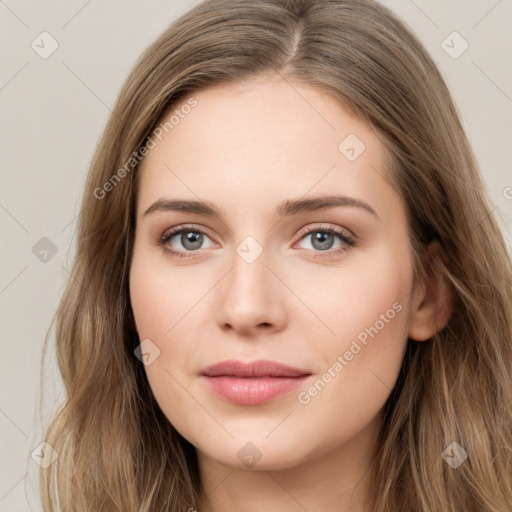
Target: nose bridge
{"points": [[250, 256], [250, 268], [249, 297]]}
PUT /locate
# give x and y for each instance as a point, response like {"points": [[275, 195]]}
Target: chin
{"points": [[257, 455]]}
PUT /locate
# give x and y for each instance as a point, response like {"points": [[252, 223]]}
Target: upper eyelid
{"points": [[176, 230], [322, 226]]}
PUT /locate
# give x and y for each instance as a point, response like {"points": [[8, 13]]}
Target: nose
{"points": [[250, 299]]}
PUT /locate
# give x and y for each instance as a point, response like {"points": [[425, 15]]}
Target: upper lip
{"points": [[260, 368]]}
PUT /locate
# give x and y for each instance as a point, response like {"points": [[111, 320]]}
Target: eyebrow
{"points": [[286, 208]]}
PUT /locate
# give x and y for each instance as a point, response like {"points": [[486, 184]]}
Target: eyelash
{"points": [[345, 238]]}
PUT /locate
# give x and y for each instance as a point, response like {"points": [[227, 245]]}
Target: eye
{"points": [[328, 239], [182, 240], [325, 241]]}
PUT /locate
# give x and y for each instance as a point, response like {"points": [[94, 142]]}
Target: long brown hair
{"points": [[117, 451]]}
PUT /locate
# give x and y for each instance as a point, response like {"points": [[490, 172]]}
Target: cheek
{"points": [[162, 299], [366, 308], [366, 297], [168, 311], [360, 371]]}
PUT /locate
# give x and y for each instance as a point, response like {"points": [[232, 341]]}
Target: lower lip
{"points": [[254, 390]]}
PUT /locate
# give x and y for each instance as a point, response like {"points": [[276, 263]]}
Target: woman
{"points": [[289, 291]]}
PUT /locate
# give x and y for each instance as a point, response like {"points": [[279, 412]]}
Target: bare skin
{"points": [[246, 149]]}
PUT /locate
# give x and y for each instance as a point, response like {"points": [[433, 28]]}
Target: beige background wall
{"points": [[53, 111]]}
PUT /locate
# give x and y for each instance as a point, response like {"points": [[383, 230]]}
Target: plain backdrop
{"points": [[53, 111]]}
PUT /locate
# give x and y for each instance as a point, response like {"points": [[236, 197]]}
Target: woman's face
{"points": [[306, 264]]}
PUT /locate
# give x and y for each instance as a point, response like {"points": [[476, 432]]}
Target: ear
{"points": [[432, 304]]}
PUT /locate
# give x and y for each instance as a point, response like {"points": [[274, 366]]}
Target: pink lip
{"points": [[252, 383]]}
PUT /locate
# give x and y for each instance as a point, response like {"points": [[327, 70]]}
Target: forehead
{"points": [[260, 141]]}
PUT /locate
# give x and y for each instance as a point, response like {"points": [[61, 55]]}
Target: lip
{"points": [[252, 383]]}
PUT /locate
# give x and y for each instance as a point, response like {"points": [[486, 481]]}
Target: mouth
{"points": [[252, 383]]}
